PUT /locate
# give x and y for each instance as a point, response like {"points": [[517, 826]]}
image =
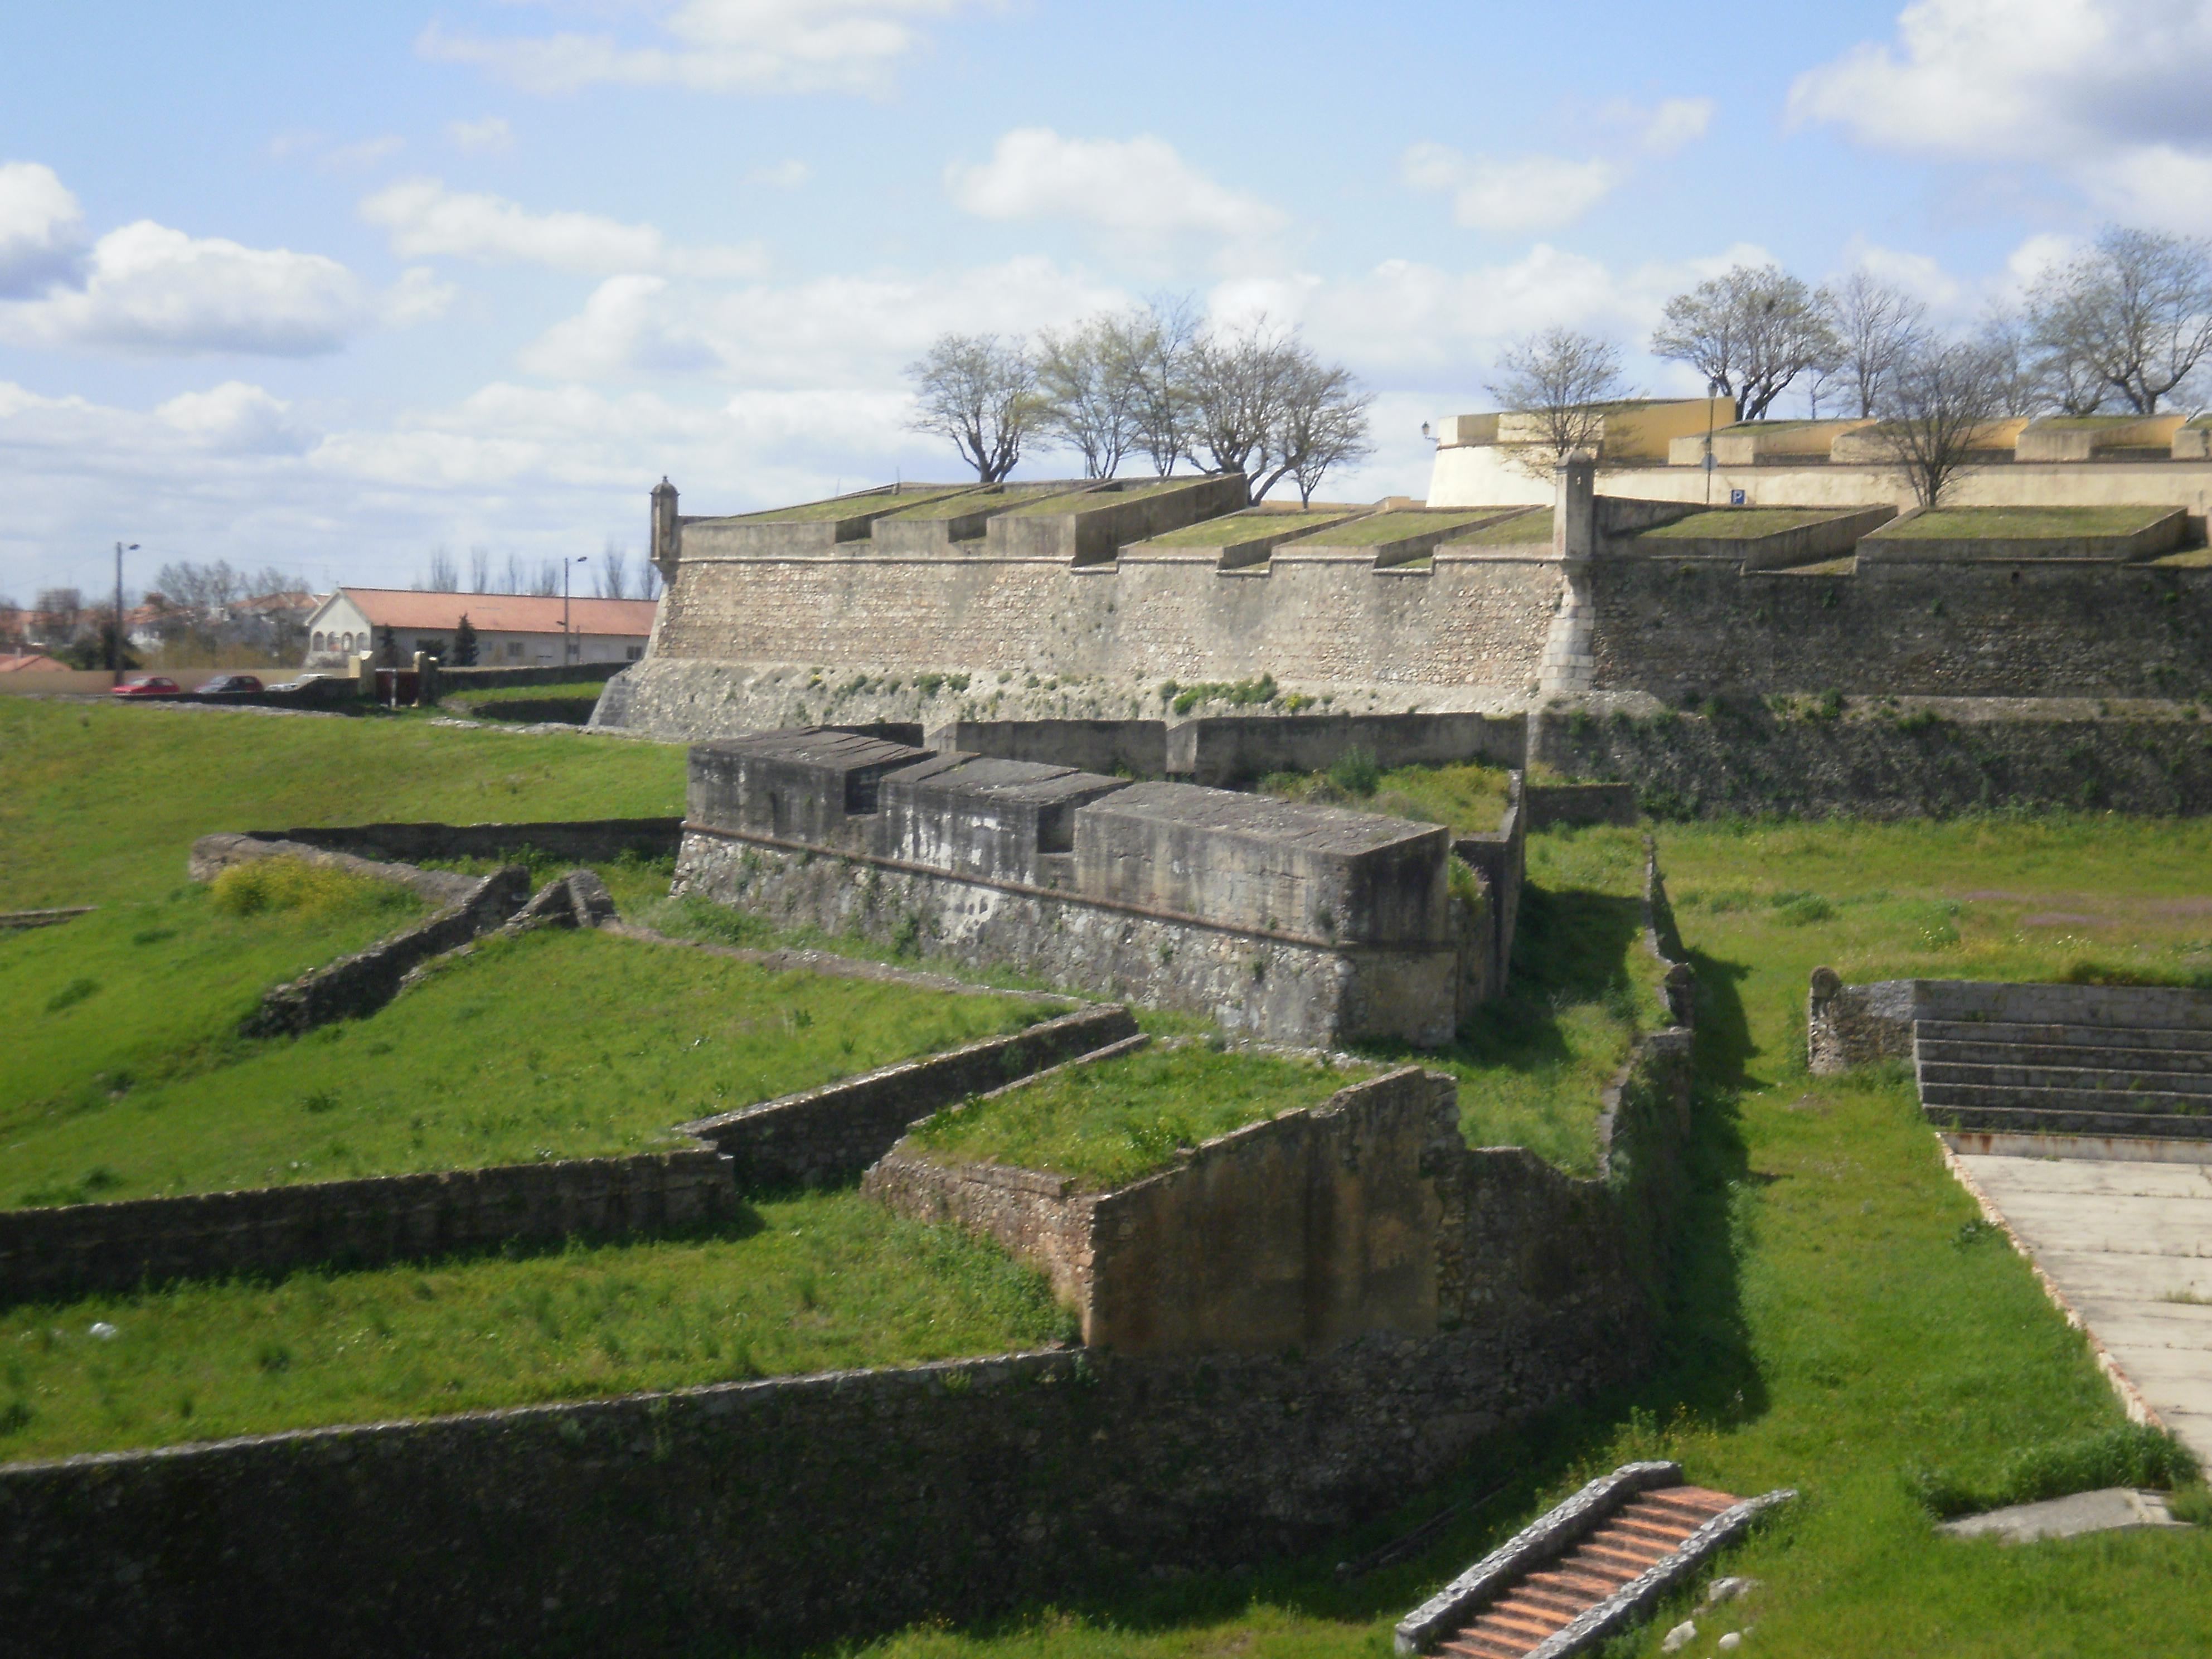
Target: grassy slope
{"points": [[805, 1283], [1112, 1123], [1838, 1321], [1394, 527], [1533, 525], [2025, 523], [131, 788], [556, 1044], [1247, 525], [1737, 523], [1470, 798]]}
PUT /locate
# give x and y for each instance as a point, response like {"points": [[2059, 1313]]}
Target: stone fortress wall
{"points": [[1289, 923]]}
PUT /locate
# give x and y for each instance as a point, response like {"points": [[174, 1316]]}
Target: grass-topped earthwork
{"points": [[570, 702], [804, 1284], [1112, 495], [1470, 798], [2023, 523], [1839, 1318], [1515, 530], [977, 501], [1112, 1121], [846, 507], [1739, 523], [1253, 524], [1384, 528], [551, 1045], [101, 805]]}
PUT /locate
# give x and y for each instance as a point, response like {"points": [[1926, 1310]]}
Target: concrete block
{"points": [[805, 786], [998, 820]]}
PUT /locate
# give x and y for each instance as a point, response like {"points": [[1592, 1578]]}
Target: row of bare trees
{"points": [[1157, 383], [612, 575], [2122, 328]]}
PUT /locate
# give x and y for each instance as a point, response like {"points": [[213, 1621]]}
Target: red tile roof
{"points": [[32, 663], [499, 613]]}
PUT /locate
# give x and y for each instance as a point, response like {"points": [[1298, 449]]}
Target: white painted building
{"points": [[513, 630]]}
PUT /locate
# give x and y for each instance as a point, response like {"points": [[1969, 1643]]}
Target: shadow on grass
{"points": [[1702, 1372]]}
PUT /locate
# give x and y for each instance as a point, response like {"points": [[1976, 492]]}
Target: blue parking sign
{"points": [[1735, 498]]}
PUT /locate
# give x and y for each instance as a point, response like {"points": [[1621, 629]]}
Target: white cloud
{"points": [[1521, 192], [332, 156], [41, 229], [1537, 192], [833, 331], [1137, 192], [782, 175], [2107, 93], [428, 221], [490, 133], [149, 289], [236, 419], [718, 46]]}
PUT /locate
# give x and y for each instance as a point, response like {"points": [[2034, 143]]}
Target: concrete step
{"points": [[2090, 1057], [2170, 1037], [2046, 1121], [2132, 1102], [2133, 1081]]}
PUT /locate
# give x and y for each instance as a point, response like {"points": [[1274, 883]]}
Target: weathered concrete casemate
{"points": [[1293, 923]]}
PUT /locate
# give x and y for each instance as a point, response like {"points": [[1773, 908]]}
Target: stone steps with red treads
{"points": [[1530, 1609]]}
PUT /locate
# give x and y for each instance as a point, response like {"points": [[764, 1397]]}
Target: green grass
{"points": [[556, 1044], [839, 507], [1533, 525], [955, 507], [1739, 523], [1385, 527], [572, 701], [1250, 525], [2022, 523], [1838, 1322], [1107, 1124], [134, 787], [1470, 798], [809, 1283], [1048, 504]]}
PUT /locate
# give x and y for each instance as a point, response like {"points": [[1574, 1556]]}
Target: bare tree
{"points": [[1935, 401], [479, 569], [1087, 380], [649, 580], [1324, 426], [1563, 378], [611, 575], [1875, 325], [2131, 319], [61, 614], [1240, 386], [513, 581], [980, 391], [1159, 343], [1750, 332], [546, 585], [444, 577]]}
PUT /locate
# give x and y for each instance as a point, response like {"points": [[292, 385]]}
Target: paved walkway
{"points": [[2130, 1247]]}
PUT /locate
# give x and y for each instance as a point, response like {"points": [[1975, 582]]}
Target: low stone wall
{"points": [[446, 682], [1552, 806], [1901, 546], [59, 1254], [1746, 759], [586, 840], [213, 854], [1219, 751], [789, 1513], [1137, 748], [830, 1134], [1500, 857], [1276, 988]]}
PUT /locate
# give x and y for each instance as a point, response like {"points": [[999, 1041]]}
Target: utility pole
{"points": [[569, 639], [115, 634]]}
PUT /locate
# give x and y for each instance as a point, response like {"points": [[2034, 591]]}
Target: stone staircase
{"points": [[2132, 1072]]}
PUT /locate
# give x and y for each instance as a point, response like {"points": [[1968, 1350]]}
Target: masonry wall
{"points": [[1269, 986], [1745, 758], [585, 840], [1673, 627]]}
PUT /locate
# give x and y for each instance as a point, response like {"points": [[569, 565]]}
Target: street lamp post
{"points": [[115, 632], [569, 639]]}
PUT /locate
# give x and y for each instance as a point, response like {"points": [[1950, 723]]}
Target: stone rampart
{"points": [[831, 1134], [1744, 758], [1224, 750], [1575, 804], [1849, 1025], [585, 841], [61, 1253]]}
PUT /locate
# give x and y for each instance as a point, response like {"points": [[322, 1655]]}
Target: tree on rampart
{"points": [[1875, 325], [1563, 378], [1934, 408], [2129, 321], [981, 393], [1750, 332]]}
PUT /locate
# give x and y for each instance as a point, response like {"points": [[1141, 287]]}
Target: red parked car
{"points": [[228, 684], [152, 686]]}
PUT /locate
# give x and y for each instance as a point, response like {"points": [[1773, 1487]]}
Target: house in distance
{"points": [[513, 630]]}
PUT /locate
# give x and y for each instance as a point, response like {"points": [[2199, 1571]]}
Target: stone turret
{"points": [[666, 538]]}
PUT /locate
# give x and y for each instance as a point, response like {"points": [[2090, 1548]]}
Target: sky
{"points": [[333, 288]]}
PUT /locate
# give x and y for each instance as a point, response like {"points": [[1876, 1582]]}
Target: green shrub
{"points": [[1355, 771], [314, 890]]}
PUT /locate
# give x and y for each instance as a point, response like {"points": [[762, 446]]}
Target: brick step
{"points": [[2001, 1120], [2065, 1035], [2019, 1073], [2137, 1102]]}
